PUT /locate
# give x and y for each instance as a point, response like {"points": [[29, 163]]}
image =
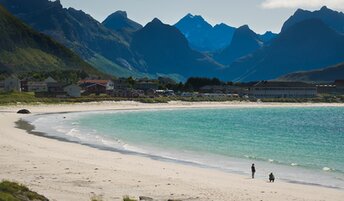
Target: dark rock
{"points": [[23, 111]]}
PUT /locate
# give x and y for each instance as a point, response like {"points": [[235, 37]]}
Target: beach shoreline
{"points": [[80, 172]]}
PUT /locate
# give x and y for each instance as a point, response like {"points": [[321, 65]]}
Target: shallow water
{"points": [[303, 145]]}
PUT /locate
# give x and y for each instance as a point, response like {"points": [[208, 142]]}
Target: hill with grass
{"points": [[328, 74], [103, 48], [22, 50]]}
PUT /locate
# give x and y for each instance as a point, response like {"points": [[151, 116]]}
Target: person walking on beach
{"points": [[271, 177], [253, 170]]}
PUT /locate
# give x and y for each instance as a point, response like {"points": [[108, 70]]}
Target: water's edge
{"points": [[30, 129]]}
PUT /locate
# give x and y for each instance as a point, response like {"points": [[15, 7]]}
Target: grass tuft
{"points": [[127, 198], [96, 198], [12, 191]]}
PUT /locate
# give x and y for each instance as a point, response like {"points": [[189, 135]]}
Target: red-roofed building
{"points": [[96, 86]]}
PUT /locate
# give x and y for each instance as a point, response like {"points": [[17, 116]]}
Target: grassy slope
{"points": [[23, 49], [331, 73], [11, 191], [112, 68]]}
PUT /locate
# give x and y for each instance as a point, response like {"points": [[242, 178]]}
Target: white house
{"points": [[276, 89], [73, 90], [12, 84]]}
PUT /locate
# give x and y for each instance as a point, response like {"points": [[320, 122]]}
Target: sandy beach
{"points": [[69, 171]]}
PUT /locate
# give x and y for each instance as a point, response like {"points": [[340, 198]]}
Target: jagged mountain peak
{"points": [[194, 17], [244, 41], [156, 21], [332, 18], [119, 13], [119, 21], [202, 36]]}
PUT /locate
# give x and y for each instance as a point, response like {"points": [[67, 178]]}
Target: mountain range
{"points": [[244, 42], [192, 47], [333, 19], [167, 51], [202, 36], [96, 44], [22, 49], [307, 45]]}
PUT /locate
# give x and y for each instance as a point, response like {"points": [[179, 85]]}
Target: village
{"points": [[165, 87]]}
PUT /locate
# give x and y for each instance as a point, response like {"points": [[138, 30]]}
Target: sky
{"points": [[260, 15]]}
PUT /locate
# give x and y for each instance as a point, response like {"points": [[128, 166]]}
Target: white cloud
{"points": [[272, 4]]}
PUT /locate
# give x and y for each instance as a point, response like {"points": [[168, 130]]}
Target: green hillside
{"points": [[106, 50], [22, 49]]}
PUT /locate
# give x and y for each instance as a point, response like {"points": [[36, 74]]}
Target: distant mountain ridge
{"points": [[119, 46], [332, 18], [202, 36], [24, 50], [328, 74], [307, 45], [267, 37], [244, 42], [167, 51]]}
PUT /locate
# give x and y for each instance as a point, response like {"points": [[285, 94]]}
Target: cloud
{"points": [[272, 4]]}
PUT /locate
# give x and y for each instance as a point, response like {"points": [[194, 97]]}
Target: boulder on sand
{"points": [[23, 111]]}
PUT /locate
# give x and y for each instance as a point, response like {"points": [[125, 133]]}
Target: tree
{"points": [[195, 83]]}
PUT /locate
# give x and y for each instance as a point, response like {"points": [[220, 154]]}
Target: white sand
{"points": [[69, 171]]}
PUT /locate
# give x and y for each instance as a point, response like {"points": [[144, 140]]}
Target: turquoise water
{"points": [[299, 144]]}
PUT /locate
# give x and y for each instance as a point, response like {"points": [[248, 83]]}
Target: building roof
{"points": [[88, 85], [101, 82], [50, 80], [282, 84], [72, 85]]}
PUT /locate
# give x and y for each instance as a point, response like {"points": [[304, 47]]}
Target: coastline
{"points": [[69, 171]]}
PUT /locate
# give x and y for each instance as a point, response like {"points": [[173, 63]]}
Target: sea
{"points": [[298, 144]]}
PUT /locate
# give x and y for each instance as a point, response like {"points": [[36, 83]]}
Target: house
{"points": [[326, 89], [279, 89], [339, 86], [54, 87], [73, 90], [32, 86], [166, 92], [145, 86], [213, 89], [12, 84], [225, 89], [96, 86], [2, 85], [50, 80], [189, 94], [127, 93], [121, 83], [24, 85], [47, 88]]}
